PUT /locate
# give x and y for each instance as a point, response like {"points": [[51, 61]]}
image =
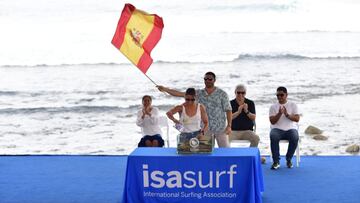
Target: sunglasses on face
{"points": [[186, 99], [208, 79], [280, 95], [239, 92]]}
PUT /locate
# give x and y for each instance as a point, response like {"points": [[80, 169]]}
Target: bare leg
{"points": [[155, 143], [148, 143]]}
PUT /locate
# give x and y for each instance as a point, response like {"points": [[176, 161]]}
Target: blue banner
{"points": [[161, 175]]}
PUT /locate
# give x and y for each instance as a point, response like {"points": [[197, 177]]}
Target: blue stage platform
{"points": [[100, 179]]}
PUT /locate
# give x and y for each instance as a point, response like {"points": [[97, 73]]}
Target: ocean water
{"points": [[64, 89]]}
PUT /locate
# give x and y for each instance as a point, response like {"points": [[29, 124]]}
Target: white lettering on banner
{"points": [[190, 195], [231, 173], [218, 174], [210, 180], [190, 179], [145, 176], [173, 182], [160, 180], [162, 194], [219, 195]]}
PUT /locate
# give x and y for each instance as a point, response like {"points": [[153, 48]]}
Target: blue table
{"points": [[162, 175]]}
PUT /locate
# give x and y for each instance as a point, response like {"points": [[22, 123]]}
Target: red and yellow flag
{"points": [[136, 35]]}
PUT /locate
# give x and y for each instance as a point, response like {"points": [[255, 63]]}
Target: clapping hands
{"points": [[282, 110], [146, 111], [243, 107]]}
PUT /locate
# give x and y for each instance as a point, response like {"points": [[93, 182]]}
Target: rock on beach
{"points": [[311, 130], [353, 148], [320, 137]]}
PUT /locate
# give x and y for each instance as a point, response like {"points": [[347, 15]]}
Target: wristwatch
{"points": [[247, 112]]}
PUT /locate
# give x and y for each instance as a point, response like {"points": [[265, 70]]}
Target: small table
{"points": [[162, 175]]}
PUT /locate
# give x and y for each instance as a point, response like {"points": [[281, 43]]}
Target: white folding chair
{"points": [[245, 143], [240, 143], [297, 148], [163, 123], [297, 152]]}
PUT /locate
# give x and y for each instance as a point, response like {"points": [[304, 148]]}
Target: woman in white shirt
{"points": [[193, 117], [147, 119]]}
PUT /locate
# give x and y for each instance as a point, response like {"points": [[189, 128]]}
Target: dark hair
{"points": [[211, 73], [281, 88], [146, 96], [190, 91]]}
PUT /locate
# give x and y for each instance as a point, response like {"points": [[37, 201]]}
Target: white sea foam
{"points": [[83, 109]]}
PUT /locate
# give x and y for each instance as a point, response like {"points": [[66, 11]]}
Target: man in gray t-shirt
{"points": [[217, 106]]}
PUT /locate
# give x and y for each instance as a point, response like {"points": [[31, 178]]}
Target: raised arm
{"points": [[154, 116], [250, 111], [293, 117], [170, 114], [275, 118], [172, 92], [236, 112]]}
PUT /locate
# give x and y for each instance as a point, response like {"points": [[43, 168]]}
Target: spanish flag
{"points": [[136, 35]]}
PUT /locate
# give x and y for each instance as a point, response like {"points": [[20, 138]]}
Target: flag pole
{"points": [[147, 76], [150, 79]]}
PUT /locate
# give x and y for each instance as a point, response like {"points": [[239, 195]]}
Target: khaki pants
{"points": [[222, 138], [245, 135]]}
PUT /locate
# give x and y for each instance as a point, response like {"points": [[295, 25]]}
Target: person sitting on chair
{"points": [[243, 117], [283, 117], [147, 119], [191, 115]]}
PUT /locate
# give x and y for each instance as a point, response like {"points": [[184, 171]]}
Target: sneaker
{"points": [[263, 160], [289, 164], [275, 166]]}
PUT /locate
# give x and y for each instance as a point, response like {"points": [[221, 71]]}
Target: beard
{"points": [[209, 85]]}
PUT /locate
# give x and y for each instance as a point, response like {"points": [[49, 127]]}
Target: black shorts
{"points": [[151, 138]]}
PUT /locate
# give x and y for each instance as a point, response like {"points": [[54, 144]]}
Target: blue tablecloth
{"points": [[162, 175]]}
